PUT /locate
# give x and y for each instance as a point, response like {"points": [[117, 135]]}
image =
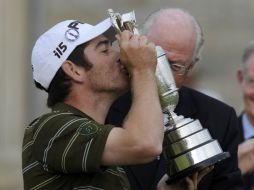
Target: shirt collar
{"points": [[62, 107], [248, 128]]}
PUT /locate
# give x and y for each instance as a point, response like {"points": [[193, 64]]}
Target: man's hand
{"points": [[144, 118], [246, 156], [136, 52], [189, 183]]}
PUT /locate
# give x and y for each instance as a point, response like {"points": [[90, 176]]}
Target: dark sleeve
{"points": [[226, 174], [119, 110]]}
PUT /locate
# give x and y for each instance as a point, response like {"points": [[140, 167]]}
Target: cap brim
{"points": [[103, 27]]}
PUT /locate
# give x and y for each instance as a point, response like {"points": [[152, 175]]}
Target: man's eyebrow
{"points": [[103, 42]]}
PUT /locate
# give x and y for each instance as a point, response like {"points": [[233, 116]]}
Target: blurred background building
{"points": [[228, 26]]}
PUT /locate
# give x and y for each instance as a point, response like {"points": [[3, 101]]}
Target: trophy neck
{"points": [[166, 83]]}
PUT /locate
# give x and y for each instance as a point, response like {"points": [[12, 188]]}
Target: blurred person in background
{"points": [[71, 147], [245, 77], [181, 37]]}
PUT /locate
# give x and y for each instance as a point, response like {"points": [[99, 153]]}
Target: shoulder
{"points": [[200, 99], [57, 118], [212, 113], [68, 121], [62, 127]]}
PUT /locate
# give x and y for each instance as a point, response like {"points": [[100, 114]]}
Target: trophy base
{"points": [[197, 167]]}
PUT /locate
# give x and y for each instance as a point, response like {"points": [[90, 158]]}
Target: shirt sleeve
{"points": [[70, 144]]}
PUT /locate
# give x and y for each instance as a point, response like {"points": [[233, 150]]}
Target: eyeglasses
{"points": [[178, 68], [249, 81]]}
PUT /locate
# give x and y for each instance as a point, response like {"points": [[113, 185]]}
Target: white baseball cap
{"points": [[54, 46]]}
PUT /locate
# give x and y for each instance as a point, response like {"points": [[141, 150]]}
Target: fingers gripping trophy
{"points": [[187, 146]]}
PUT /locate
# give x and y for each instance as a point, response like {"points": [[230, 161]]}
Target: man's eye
{"points": [[175, 67], [251, 81], [105, 51]]}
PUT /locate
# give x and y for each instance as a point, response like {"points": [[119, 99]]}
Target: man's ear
{"points": [[74, 71], [240, 76], [189, 72], [191, 66]]}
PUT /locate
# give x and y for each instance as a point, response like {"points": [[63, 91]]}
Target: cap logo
{"points": [[72, 34]]}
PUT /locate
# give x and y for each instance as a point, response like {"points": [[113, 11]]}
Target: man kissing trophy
{"points": [[187, 146]]}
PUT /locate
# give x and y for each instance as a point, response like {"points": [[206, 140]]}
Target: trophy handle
{"points": [[115, 20], [123, 22]]}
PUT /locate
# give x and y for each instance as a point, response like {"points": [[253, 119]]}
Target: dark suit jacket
{"points": [[240, 125], [247, 178], [217, 117]]}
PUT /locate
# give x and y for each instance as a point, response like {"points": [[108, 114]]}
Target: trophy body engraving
{"points": [[187, 146]]}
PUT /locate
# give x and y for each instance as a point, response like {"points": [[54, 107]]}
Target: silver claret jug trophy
{"points": [[187, 146]]}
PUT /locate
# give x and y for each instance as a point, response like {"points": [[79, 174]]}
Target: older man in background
{"points": [[245, 77]]}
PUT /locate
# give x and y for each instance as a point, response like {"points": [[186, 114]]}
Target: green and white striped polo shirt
{"points": [[63, 150]]}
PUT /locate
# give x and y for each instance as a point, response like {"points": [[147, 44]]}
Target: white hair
{"points": [[199, 32], [247, 53]]}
